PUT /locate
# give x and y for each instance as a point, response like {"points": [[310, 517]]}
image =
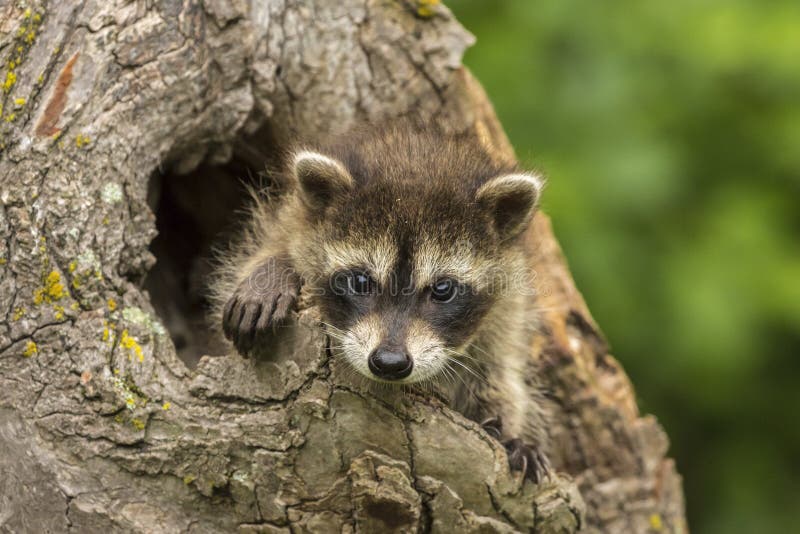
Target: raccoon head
{"points": [[406, 260]]}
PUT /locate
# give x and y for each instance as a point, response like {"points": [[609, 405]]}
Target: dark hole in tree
{"points": [[196, 213]]}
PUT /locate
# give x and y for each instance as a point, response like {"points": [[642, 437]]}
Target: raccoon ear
{"points": [[511, 201], [320, 177]]}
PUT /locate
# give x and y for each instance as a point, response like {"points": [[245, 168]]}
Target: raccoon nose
{"points": [[390, 364]]}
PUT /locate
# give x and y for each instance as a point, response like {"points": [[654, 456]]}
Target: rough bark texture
{"points": [[103, 427]]}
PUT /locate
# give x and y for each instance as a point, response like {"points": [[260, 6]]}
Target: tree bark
{"points": [[103, 427]]}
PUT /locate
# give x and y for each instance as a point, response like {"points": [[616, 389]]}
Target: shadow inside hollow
{"points": [[196, 213]]}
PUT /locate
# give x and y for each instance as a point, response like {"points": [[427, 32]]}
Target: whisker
{"points": [[468, 389], [488, 361], [457, 374], [479, 362], [449, 373], [469, 370], [335, 329]]}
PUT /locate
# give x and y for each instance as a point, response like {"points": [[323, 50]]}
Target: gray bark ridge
{"points": [[103, 427]]}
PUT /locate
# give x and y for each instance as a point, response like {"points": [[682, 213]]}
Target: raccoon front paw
{"points": [[528, 459], [264, 300]]}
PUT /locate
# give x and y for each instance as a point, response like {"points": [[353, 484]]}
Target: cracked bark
{"points": [[102, 426]]}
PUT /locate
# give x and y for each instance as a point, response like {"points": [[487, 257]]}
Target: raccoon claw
{"points": [[244, 318], [493, 426], [527, 459], [256, 306]]}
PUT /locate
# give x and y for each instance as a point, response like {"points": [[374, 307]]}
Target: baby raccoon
{"points": [[409, 241]]}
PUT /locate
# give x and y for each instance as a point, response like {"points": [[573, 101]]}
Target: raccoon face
{"points": [[405, 268], [393, 330]]}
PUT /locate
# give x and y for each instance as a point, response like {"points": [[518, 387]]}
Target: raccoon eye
{"points": [[444, 290], [359, 283], [352, 282]]}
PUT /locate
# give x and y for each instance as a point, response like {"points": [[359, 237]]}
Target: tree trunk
{"points": [[111, 108]]}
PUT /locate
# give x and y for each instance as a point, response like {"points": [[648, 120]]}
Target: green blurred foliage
{"points": [[670, 133]]}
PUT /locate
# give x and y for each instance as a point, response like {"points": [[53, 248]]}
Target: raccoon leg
{"points": [[263, 300]]}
